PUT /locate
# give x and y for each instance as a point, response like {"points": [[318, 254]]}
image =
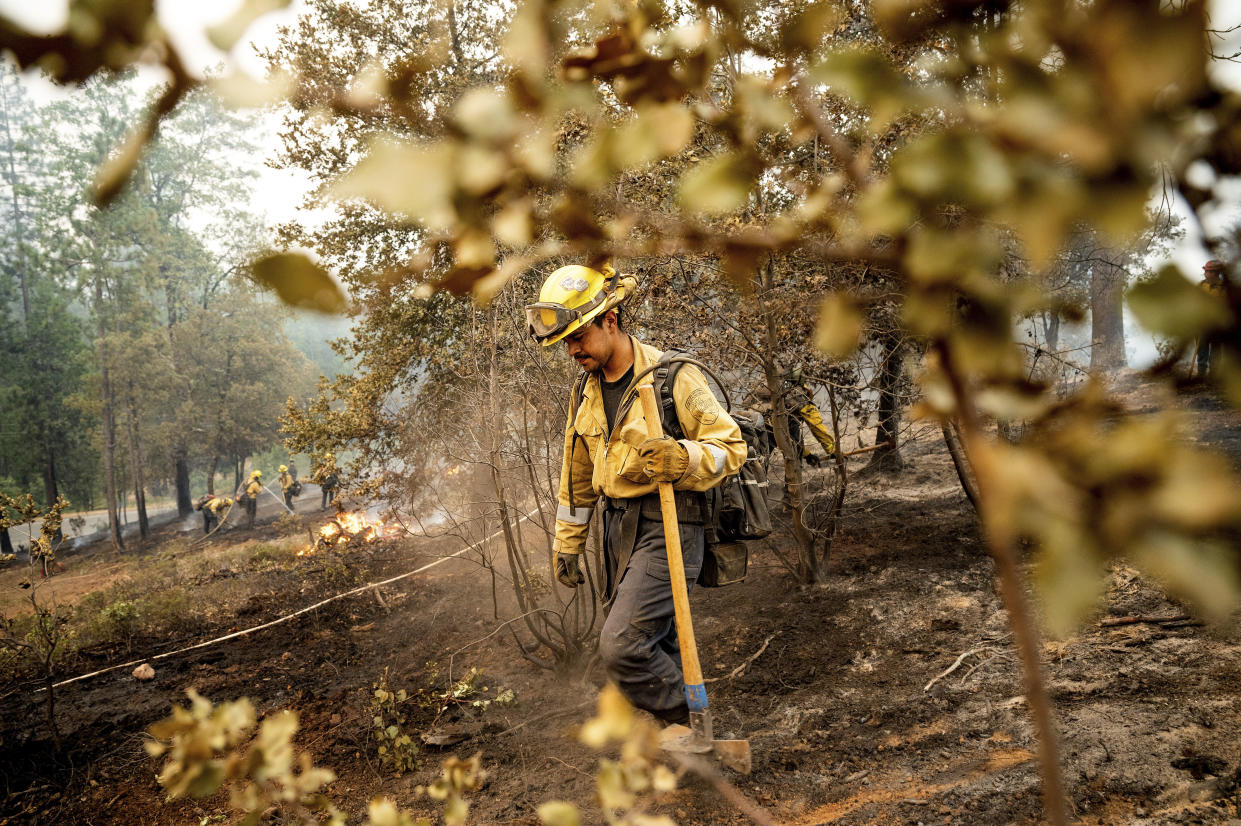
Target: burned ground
{"points": [[852, 708]]}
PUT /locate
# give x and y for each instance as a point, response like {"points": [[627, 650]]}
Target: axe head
{"points": [[734, 754]]}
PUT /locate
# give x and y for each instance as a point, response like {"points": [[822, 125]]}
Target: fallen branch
{"points": [[1112, 622], [560, 712], [879, 446], [954, 666], [739, 670]]}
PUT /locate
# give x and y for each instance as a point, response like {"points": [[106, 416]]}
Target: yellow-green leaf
{"points": [[1171, 306], [299, 282], [559, 813], [715, 186], [1202, 572], [839, 326], [224, 36], [405, 178]]}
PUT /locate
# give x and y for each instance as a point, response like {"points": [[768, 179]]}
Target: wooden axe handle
{"points": [[694, 690]]}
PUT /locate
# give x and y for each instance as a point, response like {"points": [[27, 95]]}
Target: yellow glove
{"points": [[568, 571], [664, 460]]}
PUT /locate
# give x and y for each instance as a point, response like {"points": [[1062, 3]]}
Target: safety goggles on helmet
{"points": [[548, 319]]}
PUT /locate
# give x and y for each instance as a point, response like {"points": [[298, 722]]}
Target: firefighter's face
{"points": [[592, 345]]}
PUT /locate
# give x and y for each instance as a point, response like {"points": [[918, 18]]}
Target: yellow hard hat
{"points": [[283, 468], [571, 297], [254, 474]]}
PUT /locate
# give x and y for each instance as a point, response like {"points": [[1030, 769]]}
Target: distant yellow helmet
{"points": [[283, 468], [255, 474], [572, 297]]}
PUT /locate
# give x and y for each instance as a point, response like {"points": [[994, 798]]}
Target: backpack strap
{"points": [[664, 379], [579, 389], [665, 371]]}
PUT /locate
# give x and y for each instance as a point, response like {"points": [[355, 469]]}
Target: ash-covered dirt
{"points": [[854, 709]]}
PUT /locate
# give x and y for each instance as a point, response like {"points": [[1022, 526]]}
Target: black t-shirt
{"points": [[612, 392]]}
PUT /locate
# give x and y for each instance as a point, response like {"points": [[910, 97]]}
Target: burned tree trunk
{"points": [[888, 426], [51, 490], [108, 424], [1107, 320], [135, 461], [182, 464]]}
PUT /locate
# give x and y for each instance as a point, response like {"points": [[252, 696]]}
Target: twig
{"points": [[879, 446], [560, 712], [1112, 622], [953, 667], [497, 630], [727, 790], [736, 672], [570, 765]]}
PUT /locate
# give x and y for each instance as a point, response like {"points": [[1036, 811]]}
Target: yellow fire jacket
{"points": [[286, 481], [218, 505], [606, 464]]}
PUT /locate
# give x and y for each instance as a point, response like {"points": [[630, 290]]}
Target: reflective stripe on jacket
{"points": [[608, 464]]}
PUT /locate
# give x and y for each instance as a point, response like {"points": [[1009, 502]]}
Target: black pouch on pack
{"points": [[743, 511], [724, 563]]}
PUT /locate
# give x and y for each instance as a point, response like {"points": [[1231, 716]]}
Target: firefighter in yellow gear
{"points": [[801, 403], [611, 462], [288, 486], [1213, 285], [214, 511], [249, 498], [325, 475]]}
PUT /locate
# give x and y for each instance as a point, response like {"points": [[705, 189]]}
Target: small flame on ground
{"points": [[346, 528]]}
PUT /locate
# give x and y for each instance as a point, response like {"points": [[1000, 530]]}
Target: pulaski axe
{"points": [[698, 738]]}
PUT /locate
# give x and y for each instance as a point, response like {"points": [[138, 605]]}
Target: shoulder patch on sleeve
{"points": [[703, 406]]}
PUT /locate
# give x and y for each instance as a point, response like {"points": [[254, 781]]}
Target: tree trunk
{"points": [[1051, 329], [135, 461], [51, 491], [888, 426], [184, 503], [1107, 320], [6, 543], [809, 567], [19, 262], [108, 425], [215, 463]]}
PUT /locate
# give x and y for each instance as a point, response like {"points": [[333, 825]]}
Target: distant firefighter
{"points": [[249, 498], [799, 403], [289, 485], [1208, 345], [326, 477], [213, 508]]}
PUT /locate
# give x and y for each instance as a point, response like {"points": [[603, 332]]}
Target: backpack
{"points": [[737, 507], [295, 489]]}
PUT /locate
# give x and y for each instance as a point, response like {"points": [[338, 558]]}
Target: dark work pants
{"points": [[638, 643], [1207, 350]]}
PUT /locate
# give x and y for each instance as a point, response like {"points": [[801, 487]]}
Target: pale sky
{"points": [[278, 192]]}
